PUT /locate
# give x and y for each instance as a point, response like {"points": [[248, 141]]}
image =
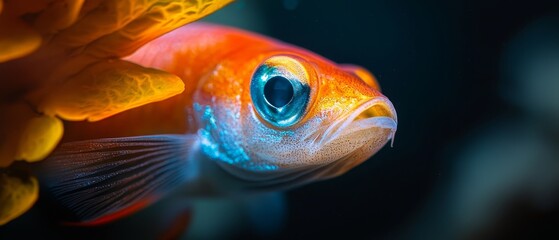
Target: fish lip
{"points": [[385, 121]]}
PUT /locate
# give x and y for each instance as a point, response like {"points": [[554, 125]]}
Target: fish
{"points": [[256, 114]]}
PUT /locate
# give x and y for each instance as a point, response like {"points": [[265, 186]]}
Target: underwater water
{"points": [[476, 154]]}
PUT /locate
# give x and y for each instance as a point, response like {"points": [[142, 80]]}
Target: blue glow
{"points": [[217, 141]]}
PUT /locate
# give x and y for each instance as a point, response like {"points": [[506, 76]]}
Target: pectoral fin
{"points": [[104, 179]]}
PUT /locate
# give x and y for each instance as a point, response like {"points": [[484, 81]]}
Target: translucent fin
{"points": [[104, 179]]}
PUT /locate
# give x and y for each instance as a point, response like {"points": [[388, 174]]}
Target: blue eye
{"points": [[280, 91]]}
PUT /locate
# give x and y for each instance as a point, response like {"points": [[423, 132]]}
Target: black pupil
{"points": [[278, 91]]}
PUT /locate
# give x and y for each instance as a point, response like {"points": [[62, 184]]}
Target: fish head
{"points": [[295, 112]]}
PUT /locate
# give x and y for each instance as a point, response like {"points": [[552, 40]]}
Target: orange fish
{"points": [[256, 114]]}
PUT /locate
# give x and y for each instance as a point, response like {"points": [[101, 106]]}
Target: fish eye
{"points": [[280, 90]]}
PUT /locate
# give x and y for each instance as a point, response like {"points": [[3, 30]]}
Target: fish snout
{"points": [[375, 113]]}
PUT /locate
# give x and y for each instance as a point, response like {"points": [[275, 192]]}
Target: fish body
{"points": [[255, 114]]}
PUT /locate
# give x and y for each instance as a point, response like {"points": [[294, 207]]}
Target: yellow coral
{"points": [[26, 135], [17, 194], [16, 39], [40, 136], [110, 87], [82, 79]]}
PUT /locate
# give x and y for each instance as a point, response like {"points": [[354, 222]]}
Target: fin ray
{"points": [[97, 178]]}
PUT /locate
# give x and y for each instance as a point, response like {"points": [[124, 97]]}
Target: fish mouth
{"points": [[372, 114]]}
